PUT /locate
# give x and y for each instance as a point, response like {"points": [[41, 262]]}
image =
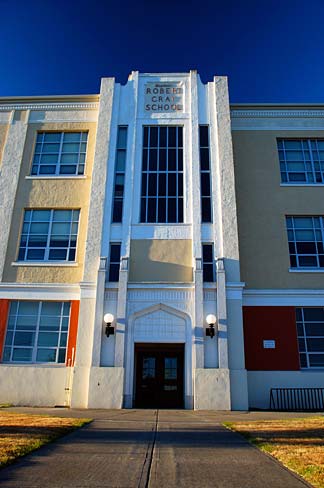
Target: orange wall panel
{"points": [[4, 309], [73, 332], [270, 323]]}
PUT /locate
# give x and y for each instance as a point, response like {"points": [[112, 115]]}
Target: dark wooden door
{"points": [[159, 375]]}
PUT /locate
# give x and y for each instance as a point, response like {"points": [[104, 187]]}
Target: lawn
{"points": [[297, 443], [22, 433]]}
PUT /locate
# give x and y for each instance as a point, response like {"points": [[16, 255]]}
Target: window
{"points": [[301, 160], [49, 235], [162, 175], [60, 153], [114, 261], [208, 263], [310, 331], [37, 332], [206, 215], [306, 240], [120, 168]]}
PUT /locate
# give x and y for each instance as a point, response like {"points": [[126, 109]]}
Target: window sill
{"points": [[33, 365], [305, 270], [45, 263], [56, 177], [312, 369], [302, 184]]}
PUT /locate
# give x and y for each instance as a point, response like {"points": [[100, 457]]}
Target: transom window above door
{"points": [[162, 175]]}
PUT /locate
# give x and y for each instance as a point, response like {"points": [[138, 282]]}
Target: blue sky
{"points": [[272, 51]]}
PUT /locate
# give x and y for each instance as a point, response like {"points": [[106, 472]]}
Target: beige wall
{"points": [[262, 205], [3, 135], [50, 193], [161, 260]]}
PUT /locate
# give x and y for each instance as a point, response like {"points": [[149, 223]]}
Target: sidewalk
{"points": [[150, 448]]}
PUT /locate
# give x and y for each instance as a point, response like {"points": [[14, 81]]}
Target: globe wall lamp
{"points": [[211, 321], [108, 319]]}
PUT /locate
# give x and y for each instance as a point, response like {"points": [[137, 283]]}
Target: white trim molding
{"points": [[295, 298], [49, 106], [39, 291], [305, 270], [87, 289], [50, 264], [290, 114]]}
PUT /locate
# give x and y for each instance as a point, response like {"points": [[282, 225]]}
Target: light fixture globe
{"points": [[108, 318], [211, 319]]}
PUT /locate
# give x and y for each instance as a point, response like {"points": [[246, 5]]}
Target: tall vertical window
{"points": [[208, 262], [306, 241], [206, 214], [310, 331], [114, 261], [37, 332], [162, 175], [120, 168]]}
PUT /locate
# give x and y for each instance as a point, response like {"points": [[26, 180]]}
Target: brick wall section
{"points": [[73, 332], [276, 323], [4, 309]]}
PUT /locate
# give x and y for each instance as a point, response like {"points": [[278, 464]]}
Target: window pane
{"points": [[48, 339], [115, 252], [153, 136], [46, 355], [114, 272], [208, 252], [22, 354], [51, 136], [208, 262], [316, 360], [24, 339], [208, 274], [122, 137], [72, 137]]}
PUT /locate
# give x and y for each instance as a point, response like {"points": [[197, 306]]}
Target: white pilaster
{"points": [[120, 329], [98, 325], [222, 335], [90, 326], [196, 222]]}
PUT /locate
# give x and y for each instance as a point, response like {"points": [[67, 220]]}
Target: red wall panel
{"points": [[4, 308], [266, 323], [73, 332]]}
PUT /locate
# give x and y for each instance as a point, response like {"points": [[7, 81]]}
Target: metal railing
{"points": [[297, 399]]}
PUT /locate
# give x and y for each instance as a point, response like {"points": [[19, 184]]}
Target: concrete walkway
{"points": [[150, 449]]}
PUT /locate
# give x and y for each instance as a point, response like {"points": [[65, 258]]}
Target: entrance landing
{"points": [[150, 448]]}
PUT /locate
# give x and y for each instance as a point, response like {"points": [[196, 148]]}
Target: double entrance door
{"points": [[159, 375]]}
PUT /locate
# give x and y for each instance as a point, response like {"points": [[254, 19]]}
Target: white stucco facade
{"points": [[168, 312]]}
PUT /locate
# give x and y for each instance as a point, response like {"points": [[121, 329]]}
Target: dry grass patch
{"points": [[297, 443], [22, 433]]}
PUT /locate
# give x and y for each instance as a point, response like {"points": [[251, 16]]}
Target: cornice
{"points": [[49, 106], [290, 114]]}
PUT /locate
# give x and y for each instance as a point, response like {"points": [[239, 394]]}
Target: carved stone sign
{"points": [[163, 97]]}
